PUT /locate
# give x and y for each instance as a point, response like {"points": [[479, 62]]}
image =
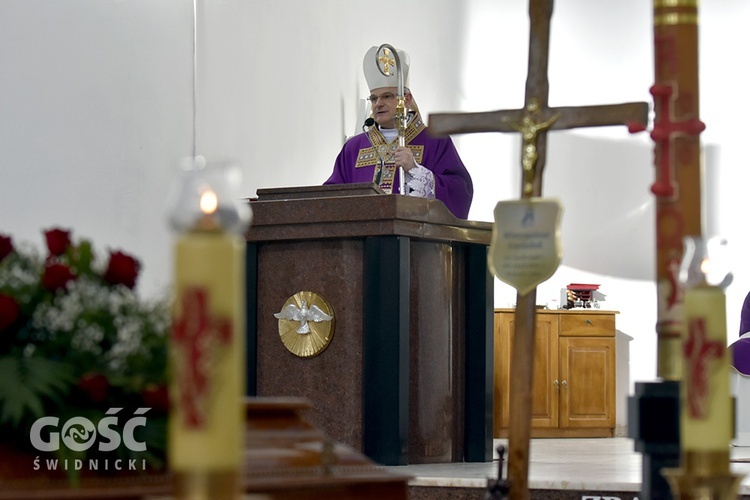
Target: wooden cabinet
{"points": [[574, 373]]}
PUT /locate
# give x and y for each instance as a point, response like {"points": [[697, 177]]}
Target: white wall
{"points": [[96, 109]]}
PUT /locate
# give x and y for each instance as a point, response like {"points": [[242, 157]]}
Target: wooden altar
{"points": [[407, 377]]}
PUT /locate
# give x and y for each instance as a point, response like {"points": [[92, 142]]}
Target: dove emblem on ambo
{"points": [[306, 324], [303, 314]]}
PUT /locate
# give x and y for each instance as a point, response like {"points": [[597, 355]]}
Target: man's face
{"points": [[383, 102]]}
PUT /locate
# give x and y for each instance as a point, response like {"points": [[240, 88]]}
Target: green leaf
{"points": [[25, 384], [82, 257]]}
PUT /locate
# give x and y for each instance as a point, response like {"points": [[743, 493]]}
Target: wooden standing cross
{"points": [[533, 121]]}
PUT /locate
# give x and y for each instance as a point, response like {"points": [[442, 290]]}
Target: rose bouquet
{"points": [[80, 355]]}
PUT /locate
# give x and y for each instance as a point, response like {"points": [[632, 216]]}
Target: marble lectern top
{"points": [[356, 210]]}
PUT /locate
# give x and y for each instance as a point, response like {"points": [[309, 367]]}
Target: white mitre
{"points": [[376, 79]]}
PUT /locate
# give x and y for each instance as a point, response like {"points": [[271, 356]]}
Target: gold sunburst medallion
{"points": [[306, 324]]}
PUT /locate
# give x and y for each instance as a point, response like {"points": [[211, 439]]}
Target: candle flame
{"points": [[715, 273], [209, 202], [706, 267]]}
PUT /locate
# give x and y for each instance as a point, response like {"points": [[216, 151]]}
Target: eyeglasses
{"points": [[385, 97]]}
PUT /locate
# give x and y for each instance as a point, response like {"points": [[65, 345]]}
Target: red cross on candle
{"points": [[196, 333], [698, 351], [664, 131]]}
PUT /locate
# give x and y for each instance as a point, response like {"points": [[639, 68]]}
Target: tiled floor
{"points": [[567, 464]]}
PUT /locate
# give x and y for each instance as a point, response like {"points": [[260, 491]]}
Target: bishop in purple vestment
{"points": [[432, 165]]}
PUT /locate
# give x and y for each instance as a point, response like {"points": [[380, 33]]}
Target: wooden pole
{"points": [[521, 384]]}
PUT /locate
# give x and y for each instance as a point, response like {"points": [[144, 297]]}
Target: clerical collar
{"points": [[391, 133]]}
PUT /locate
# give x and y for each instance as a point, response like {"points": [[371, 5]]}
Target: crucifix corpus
{"points": [[525, 244]]}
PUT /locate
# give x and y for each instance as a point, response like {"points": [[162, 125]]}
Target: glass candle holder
{"points": [[705, 260], [206, 197]]}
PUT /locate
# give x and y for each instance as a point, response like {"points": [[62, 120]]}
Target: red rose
{"points": [[56, 276], [9, 311], [122, 269], [58, 241], [6, 246], [95, 385], [156, 397]]}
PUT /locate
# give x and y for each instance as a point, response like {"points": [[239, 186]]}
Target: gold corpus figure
{"points": [[530, 130]]}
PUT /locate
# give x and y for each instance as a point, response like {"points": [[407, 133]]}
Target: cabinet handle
{"points": [[565, 384], [557, 385]]}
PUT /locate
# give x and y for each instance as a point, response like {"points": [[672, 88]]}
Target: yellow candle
{"points": [[206, 424], [706, 408]]}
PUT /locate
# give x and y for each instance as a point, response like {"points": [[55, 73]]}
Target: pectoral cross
{"points": [[533, 121]]}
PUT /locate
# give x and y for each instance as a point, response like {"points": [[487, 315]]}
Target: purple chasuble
{"points": [[357, 159], [740, 352], [741, 348], [745, 316]]}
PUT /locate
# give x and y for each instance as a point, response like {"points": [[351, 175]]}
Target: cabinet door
{"points": [[545, 406], [503, 325], [544, 403], [587, 385]]}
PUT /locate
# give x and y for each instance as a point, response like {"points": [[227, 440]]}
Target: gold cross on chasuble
{"points": [[533, 121]]}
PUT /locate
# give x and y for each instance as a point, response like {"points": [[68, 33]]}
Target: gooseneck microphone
{"points": [[368, 123]]}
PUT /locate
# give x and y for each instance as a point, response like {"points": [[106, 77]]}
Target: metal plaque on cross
{"points": [[525, 249]]}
